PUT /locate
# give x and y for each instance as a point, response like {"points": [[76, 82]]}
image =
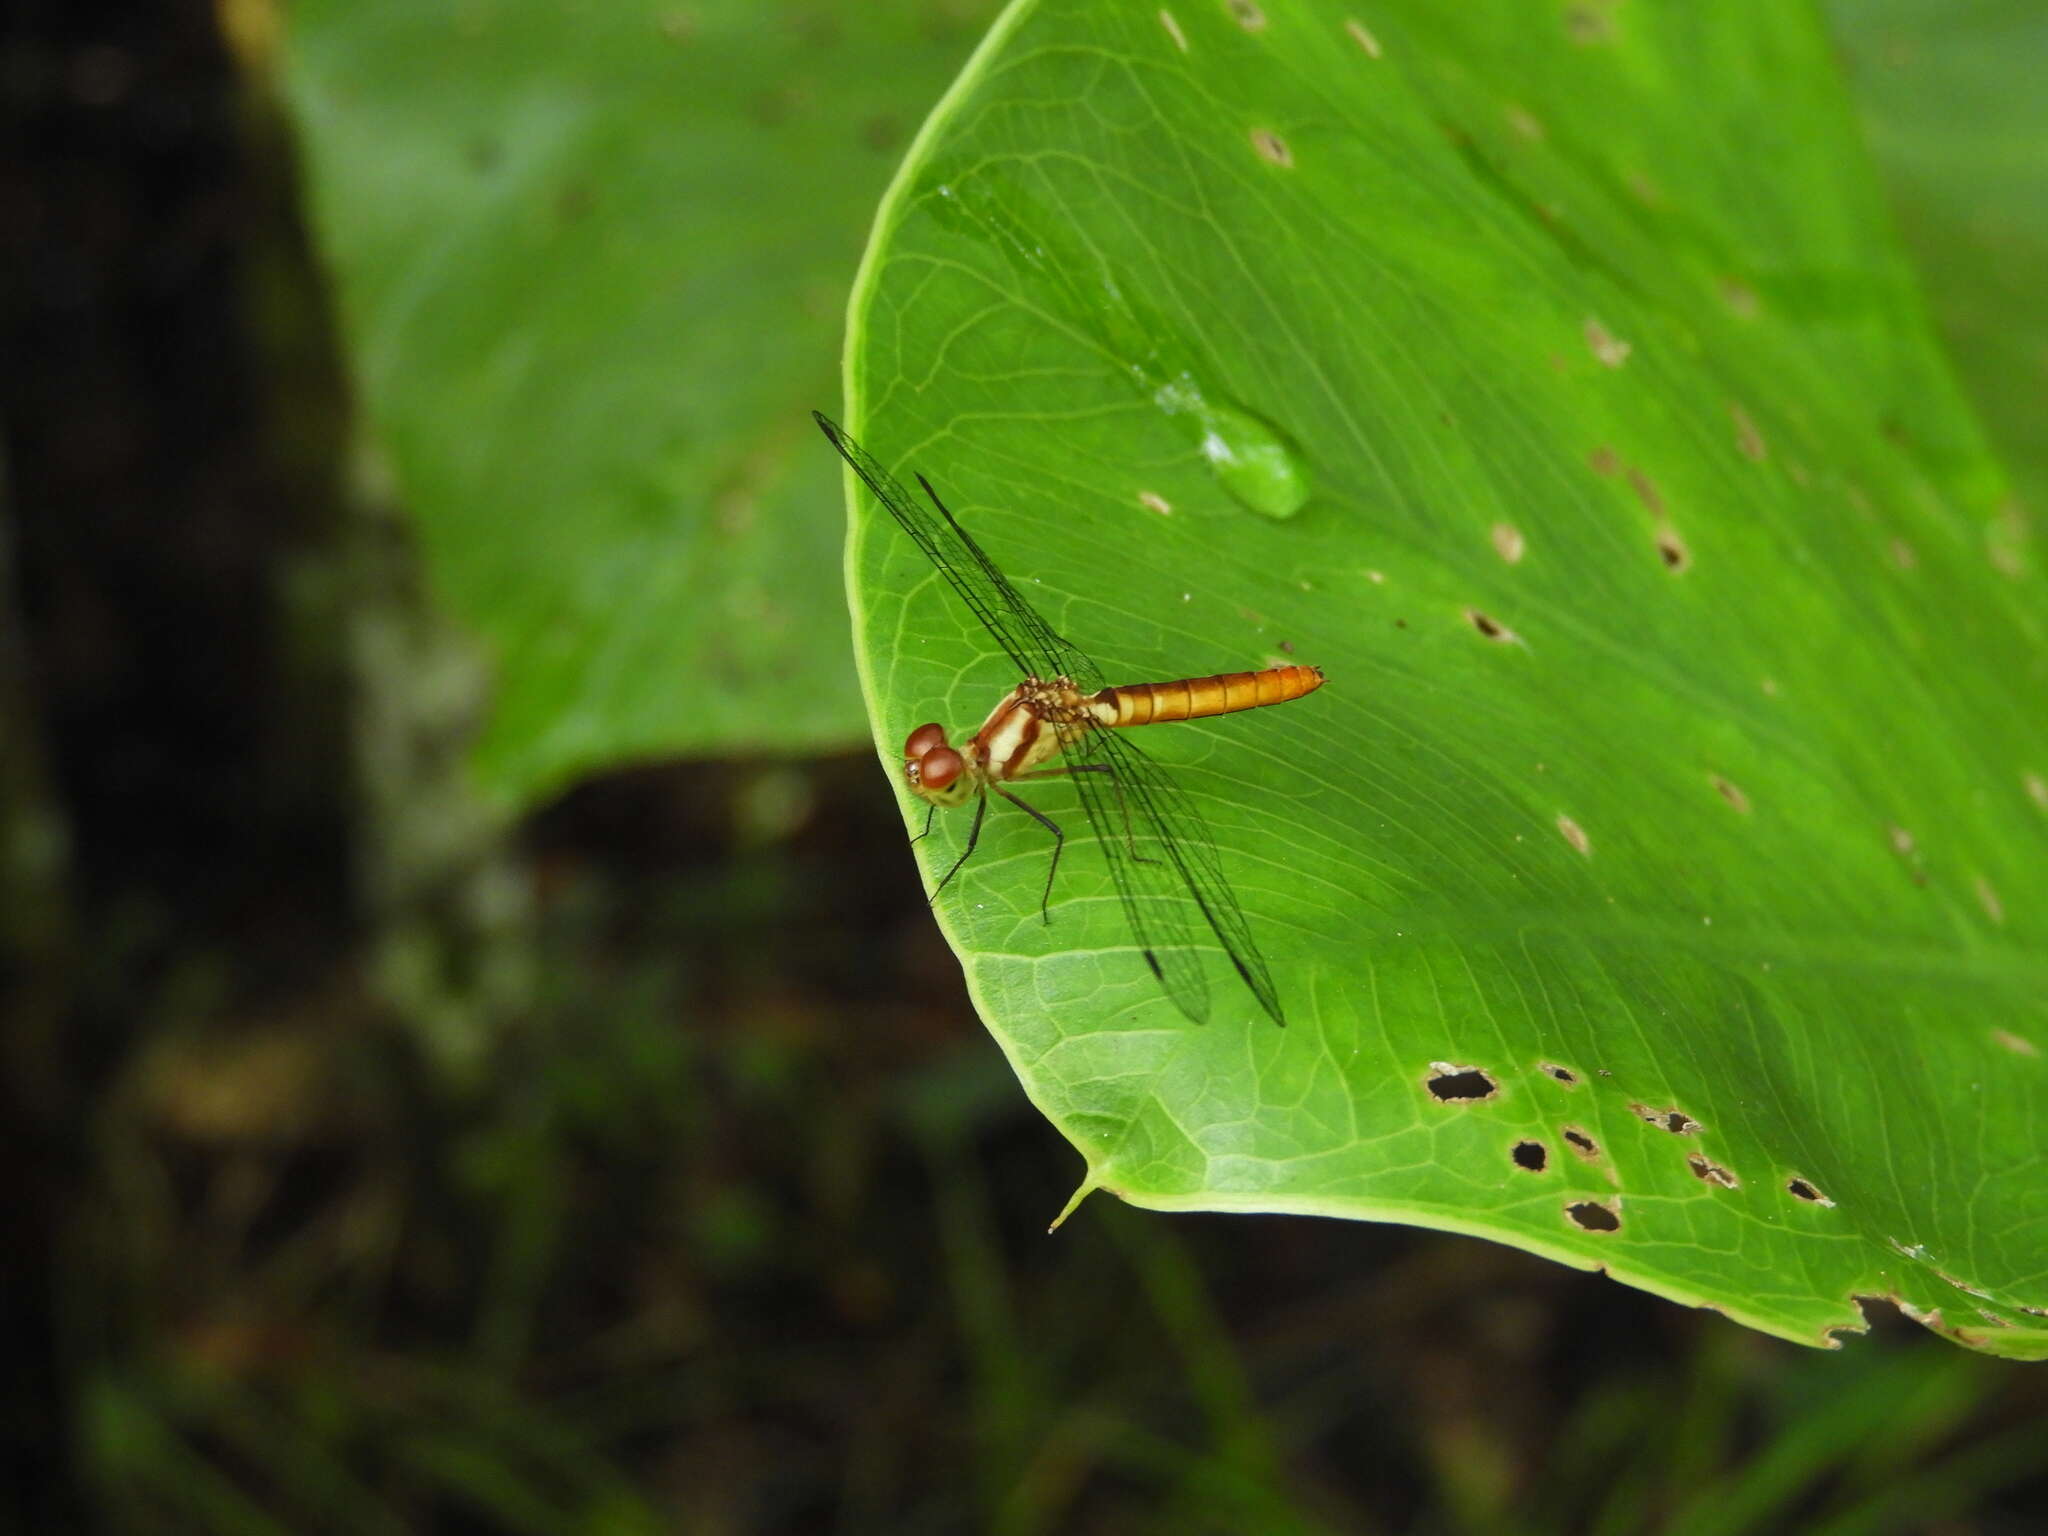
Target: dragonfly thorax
{"points": [[1025, 730]]}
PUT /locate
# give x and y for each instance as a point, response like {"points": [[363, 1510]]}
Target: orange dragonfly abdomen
{"points": [[1196, 698]]}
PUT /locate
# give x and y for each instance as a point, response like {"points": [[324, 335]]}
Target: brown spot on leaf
{"points": [[1748, 440], [1646, 491], [1575, 835], [1272, 147], [1363, 38], [1739, 297], [1732, 793], [1588, 23], [1607, 349], [2006, 537], [1987, 898]]}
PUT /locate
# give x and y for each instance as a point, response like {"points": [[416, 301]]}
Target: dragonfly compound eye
{"points": [[939, 767], [922, 740]]}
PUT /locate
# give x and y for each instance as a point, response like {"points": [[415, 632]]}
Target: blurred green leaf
{"points": [[592, 263], [1957, 121], [1681, 767]]}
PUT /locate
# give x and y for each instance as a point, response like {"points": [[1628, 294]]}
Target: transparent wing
{"points": [[1034, 645], [1160, 853]]}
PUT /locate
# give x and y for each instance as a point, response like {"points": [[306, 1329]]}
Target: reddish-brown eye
{"points": [[939, 767], [923, 739]]}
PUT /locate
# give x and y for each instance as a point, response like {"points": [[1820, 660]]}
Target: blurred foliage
{"points": [[1961, 136], [743, 1234], [590, 264]]}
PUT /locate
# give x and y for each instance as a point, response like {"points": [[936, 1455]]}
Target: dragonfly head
{"points": [[935, 771]]}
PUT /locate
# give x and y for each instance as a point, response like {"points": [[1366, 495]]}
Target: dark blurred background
{"points": [[640, 1167]]}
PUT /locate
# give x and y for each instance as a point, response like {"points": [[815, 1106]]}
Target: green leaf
{"points": [[1658, 883], [591, 264]]}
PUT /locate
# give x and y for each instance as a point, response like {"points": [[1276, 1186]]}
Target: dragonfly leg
{"points": [[1059, 843], [973, 837], [1123, 805], [929, 812]]}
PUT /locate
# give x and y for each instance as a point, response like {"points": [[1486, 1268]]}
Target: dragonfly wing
{"points": [[1160, 853], [1034, 645], [1146, 881]]}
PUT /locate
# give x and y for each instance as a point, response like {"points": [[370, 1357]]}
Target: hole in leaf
{"points": [[1594, 1216], [1459, 1085], [1490, 627], [1564, 1075], [1712, 1173], [1531, 1156], [1803, 1189], [1676, 1121], [1580, 1142], [1672, 551]]}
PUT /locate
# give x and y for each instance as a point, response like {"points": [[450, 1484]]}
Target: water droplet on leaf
{"points": [[1248, 456]]}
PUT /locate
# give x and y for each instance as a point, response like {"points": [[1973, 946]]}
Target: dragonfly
{"points": [[1159, 850]]}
